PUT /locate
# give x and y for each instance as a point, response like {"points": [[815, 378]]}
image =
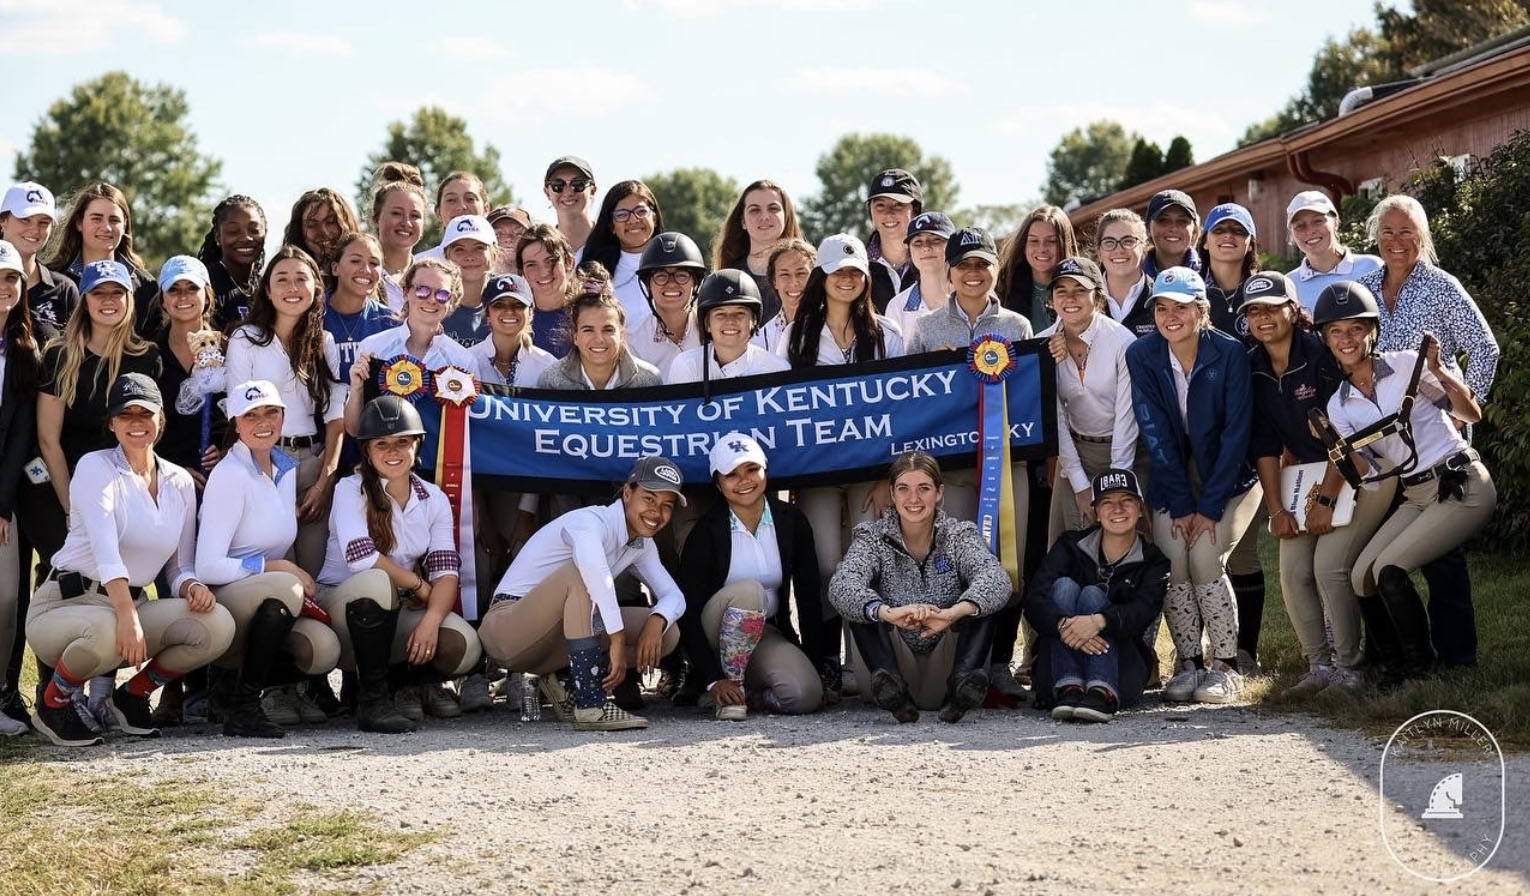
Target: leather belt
{"points": [[72, 585], [1458, 461]]}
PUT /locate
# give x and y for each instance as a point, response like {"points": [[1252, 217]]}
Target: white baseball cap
{"points": [[842, 250], [1310, 201], [10, 259], [27, 199], [734, 450], [252, 394], [468, 227]]}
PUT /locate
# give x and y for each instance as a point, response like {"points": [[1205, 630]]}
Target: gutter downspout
{"points": [[1337, 186]]}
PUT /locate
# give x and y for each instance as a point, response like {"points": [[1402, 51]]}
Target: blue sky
{"points": [[295, 95]]}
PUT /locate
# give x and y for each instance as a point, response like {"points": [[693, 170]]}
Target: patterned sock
{"points": [[587, 662], [1249, 591], [1184, 615], [153, 677], [737, 637], [61, 688], [1219, 613]]}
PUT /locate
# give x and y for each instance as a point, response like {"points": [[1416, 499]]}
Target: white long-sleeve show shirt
{"points": [[596, 540], [248, 360], [423, 533], [117, 530], [1097, 401], [247, 516]]}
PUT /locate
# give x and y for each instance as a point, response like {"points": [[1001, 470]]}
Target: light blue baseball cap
{"points": [[1180, 284], [1231, 211], [183, 267], [98, 272]]}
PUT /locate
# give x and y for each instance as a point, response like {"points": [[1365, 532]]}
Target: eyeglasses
{"points": [[441, 296], [665, 278], [641, 212], [579, 184], [1111, 244]]}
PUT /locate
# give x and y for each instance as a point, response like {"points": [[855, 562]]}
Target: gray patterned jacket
{"points": [[878, 569]]}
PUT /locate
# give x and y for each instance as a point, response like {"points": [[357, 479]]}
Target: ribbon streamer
{"points": [[456, 390], [991, 360]]}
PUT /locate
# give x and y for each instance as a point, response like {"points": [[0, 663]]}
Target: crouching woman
{"points": [[919, 589], [1092, 600]]}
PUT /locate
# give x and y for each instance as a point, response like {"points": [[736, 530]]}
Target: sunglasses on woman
{"points": [[558, 184], [440, 296]]}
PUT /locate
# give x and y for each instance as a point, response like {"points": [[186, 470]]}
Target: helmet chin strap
{"points": [[1341, 449]]}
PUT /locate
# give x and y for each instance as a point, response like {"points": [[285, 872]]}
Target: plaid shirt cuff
{"points": [[359, 549], [442, 562]]}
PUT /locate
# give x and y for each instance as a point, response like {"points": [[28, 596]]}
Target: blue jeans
{"points": [[1076, 668]]}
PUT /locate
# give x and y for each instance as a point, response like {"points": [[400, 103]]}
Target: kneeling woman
{"points": [[1091, 601], [908, 577], [131, 514], [1447, 498], [741, 557], [249, 525], [557, 600], [391, 538]]}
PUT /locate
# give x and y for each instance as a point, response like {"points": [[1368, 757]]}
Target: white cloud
{"points": [[1159, 122], [471, 49], [709, 8], [583, 91], [1227, 13], [79, 26], [304, 43], [901, 82]]}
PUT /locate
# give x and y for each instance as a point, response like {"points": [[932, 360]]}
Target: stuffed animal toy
{"points": [[207, 379]]}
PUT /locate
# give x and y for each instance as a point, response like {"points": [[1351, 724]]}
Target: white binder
{"points": [[1300, 483]]}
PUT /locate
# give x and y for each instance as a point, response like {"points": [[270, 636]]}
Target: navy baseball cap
{"points": [[969, 242], [507, 286], [930, 222], [1164, 200], [133, 390], [1112, 481]]}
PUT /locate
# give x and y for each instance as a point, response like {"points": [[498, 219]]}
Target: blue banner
{"points": [[818, 425]]}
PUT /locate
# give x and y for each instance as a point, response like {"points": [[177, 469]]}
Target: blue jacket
{"points": [[1220, 412]]}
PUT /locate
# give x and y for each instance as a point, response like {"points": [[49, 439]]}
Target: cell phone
{"points": [[37, 471]]}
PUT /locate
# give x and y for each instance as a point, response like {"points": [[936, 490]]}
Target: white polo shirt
{"points": [[443, 349], [422, 531], [648, 341], [247, 516], [117, 530], [757, 556], [528, 364], [1435, 437], [686, 368], [829, 353], [247, 361], [596, 540]]}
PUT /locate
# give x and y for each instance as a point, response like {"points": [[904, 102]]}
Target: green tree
{"points": [[1179, 155], [1145, 164], [695, 202], [845, 170], [1437, 28], [134, 136], [437, 143], [1088, 162]]}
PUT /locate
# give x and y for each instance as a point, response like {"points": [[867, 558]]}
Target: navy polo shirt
{"points": [[1281, 403]]}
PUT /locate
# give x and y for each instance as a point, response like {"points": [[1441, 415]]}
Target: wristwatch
{"points": [[1326, 501]]}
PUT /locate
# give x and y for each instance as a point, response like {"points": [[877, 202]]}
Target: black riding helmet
{"points": [[389, 415], [1345, 300], [728, 287], [670, 249]]}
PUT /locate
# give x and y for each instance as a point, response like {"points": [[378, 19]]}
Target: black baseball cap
{"points": [[133, 390], [1112, 481], [1082, 269], [930, 222], [569, 162], [1163, 200], [1265, 288], [897, 184], [970, 241]]}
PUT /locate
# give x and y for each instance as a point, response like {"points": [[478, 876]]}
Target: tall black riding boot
{"points": [[888, 689], [968, 684], [1383, 651], [1411, 619], [265, 637], [372, 630]]}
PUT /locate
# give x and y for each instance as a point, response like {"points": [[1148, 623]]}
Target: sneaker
{"points": [[1003, 680], [1067, 701], [82, 708], [473, 695], [15, 709], [439, 702], [1183, 686], [1316, 679], [410, 703], [606, 718], [308, 707], [10, 727], [64, 726], [1345, 679], [669, 685], [736, 712], [1249, 666], [629, 694], [132, 713], [280, 704], [558, 696], [1222, 684], [1096, 705]]}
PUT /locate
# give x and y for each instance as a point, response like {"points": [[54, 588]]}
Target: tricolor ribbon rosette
{"points": [[991, 360], [456, 390], [404, 376], [455, 386]]}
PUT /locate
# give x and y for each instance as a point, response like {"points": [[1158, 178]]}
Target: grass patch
{"points": [[64, 829], [1496, 692]]}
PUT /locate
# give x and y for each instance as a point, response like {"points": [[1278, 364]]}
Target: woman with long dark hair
{"points": [[629, 217], [318, 218], [762, 217], [1045, 238]]}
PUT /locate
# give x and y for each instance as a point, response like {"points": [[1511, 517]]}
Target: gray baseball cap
{"points": [[657, 474]]}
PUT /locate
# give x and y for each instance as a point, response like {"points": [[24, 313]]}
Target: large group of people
{"points": [[231, 546]]}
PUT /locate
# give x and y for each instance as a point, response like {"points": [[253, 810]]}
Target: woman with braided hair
{"points": [[234, 251]]}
